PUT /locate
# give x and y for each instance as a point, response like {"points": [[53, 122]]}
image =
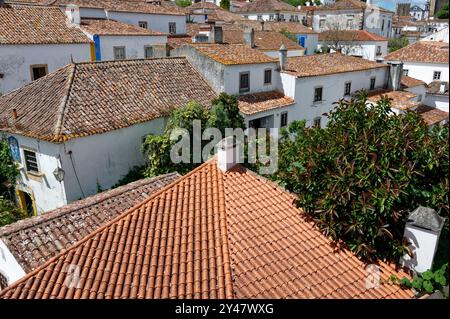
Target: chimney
{"points": [[442, 87], [262, 25], [249, 37], [227, 153], [395, 75], [283, 58], [73, 13], [14, 111], [422, 231], [216, 34]]}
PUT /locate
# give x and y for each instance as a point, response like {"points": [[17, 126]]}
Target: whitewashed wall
{"points": [[266, 16], [336, 19], [366, 49], [15, 61], [438, 101], [290, 53], [424, 71], [9, 267]]}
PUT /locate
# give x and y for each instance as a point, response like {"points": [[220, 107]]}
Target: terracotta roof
{"points": [[211, 9], [421, 51], [435, 88], [323, 64], [350, 35], [409, 82], [292, 27], [33, 241], [112, 27], [400, 100], [176, 41], [346, 5], [264, 101], [267, 6], [91, 98], [432, 115], [230, 54], [264, 40], [208, 235], [36, 25]]}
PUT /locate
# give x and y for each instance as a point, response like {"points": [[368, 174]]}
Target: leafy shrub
{"points": [[427, 282], [9, 213]]}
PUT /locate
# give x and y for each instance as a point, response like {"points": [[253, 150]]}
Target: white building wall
{"points": [[438, 101], [270, 16], [290, 53], [9, 267], [104, 159], [91, 13], [231, 78], [424, 71], [336, 20], [441, 35], [367, 49], [420, 91], [134, 45], [15, 61], [157, 22]]}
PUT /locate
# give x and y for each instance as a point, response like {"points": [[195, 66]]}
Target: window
{"points": [[143, 24], [316, 122], [318, 94], [348, 88], [389, 24], [281, 17], [119, 53], [378, 50], [38, 71], [405, 72], [259, 18], [31, 164], [270, 17], [419, 98], [172, 27], [148, 52], [244, 82], [284, 119], [321, 23], [382, 25], [372, 83], [436, 75], [349, 24], [268, 76]]}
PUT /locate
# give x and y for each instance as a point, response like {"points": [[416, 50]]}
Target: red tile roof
{"points": [[431, 115], [95, 97], [292, 27], [409, 82], [264, 40], [267, 6], [346, 5], [36, 25], [400, 100], [112, 27], [422, 51], [212, 10], [33, 241], [324, 64], [259, 102], [208, 235], [350, 35]]}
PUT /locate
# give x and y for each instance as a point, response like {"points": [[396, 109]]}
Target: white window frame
{"points": [[437, 78], [119, 48], [172, 28], [26, 149], [143, 24]]}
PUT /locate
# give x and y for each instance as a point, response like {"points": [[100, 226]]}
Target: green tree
{"points": [[223, 113], [397, 43], [183, 3], [9, 213], [359, 177], [443, 13], [291, 36], [296, 3], [225, 4]]}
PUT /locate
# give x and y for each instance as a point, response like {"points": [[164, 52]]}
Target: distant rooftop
{"points": [[259, 102], [112, 27], [409, 82], [345, 5], [350, 35], [422, 51], [267, 6], [400, 100], [432, 115]]}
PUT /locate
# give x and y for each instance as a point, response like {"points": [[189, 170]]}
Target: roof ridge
{"points": [[129, 60], [67, 209], [62, 107], [105, 226]]}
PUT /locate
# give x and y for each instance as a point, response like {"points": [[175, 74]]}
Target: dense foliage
{"points": [[397, 43], [291, 36], [427, 282], [223, 113], [297, 3], [9, 213], [443, 13], [183, 3], [225, 4], [360, 177]]}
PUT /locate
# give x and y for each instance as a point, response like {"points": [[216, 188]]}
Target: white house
{"points": [[441, 36], [350, 15], [419, 12], [437, 95], [35, 41], [424, 60], [114, 40], [81, 127], [270, 10], [355, 42]]}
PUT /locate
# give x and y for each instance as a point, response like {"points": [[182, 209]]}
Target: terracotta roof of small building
{"points": [[212, 9], [324, 64], [264, 40], [207, 235], [176, 41], [231, 54], [20, 24], [350, 35], [431, 115], [400, 100], [421, 51], [346, 5], [267, 6], [292, 27], [409, 82], [95, 97], [264, 101], [112, 27], [33, 241], [435, 88]]}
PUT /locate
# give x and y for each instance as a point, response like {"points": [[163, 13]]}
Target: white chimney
{"points": [[442, 88], [282, 52], [395, 75], [249, 37], [73, 13], [227, 154], [422, 231]]}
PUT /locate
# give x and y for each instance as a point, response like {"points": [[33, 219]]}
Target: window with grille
{"points": [[119, 53], [348, 88], [372, 83], [30, 161], [143, 24], [284, 119], [172, 27], [436, 75]]}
